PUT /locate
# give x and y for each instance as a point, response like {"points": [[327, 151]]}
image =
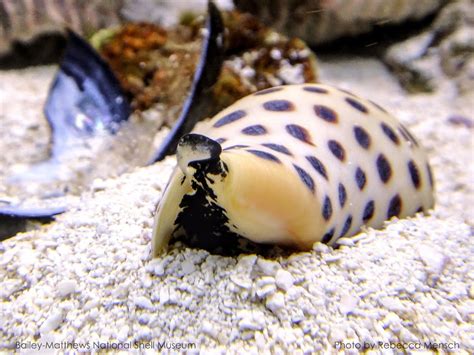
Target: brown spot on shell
{"points": [[390, 133], [299, 133], [383, 168], [394, 206], [336, 149], [278, 106], [326, 113], [357, 105], [315, 89], [255, 130], [231, 117]]}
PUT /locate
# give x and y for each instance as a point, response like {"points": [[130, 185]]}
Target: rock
{"points": [[143, 319], [348, 242], [251, 320], [285, 336], [294, 293], [333, 258], [407, 60], [143, 302], [241, 281], [164, 295], [268, 267], [98, 185], [320, 248], [391, 303], [446, 46], [291, 74], [320, 22], [91, 304], [284, 280], [249, 324], [350, 264], [434, 260], [275, 302], [266, 289], [348, 303], [156, 267], [52, 322], [247, 262], [208, 329], [188, 267], [146, 281], [66, 287]]}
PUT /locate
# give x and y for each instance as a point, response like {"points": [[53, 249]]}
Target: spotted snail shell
{"points": [[293, 165]]}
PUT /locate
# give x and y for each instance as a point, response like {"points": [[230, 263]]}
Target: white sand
{"points": [[88, 276]]}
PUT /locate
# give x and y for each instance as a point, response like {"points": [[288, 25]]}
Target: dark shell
{"points": [[21, 212], [206, 74], [85, 96], [84, 100]]}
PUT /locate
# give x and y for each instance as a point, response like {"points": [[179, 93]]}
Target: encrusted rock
{"points": [[445, 47], [319, 21]]}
